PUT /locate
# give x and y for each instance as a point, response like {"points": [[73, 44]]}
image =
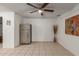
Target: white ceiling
{"points": [[23, 9]]}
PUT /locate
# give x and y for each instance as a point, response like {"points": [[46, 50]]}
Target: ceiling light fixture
{"points": [[40, 11]]}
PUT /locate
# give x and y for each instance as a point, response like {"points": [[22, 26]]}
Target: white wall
{"points": [[2, 9], [41, 28], [17, 30], [10, 33], [69, 42]]}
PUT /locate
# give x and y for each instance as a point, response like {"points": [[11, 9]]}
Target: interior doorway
{"points": [[1, 33]]}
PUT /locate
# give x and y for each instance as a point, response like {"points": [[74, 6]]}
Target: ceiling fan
{"points": [[40, 9]]}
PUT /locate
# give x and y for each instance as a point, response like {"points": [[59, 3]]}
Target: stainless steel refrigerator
{"points": [[25, 33]]}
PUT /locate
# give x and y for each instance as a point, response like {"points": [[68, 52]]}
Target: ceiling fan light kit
{"points": [[40, 11]]}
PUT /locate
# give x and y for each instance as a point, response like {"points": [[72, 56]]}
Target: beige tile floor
{"points": [[36, 49]]}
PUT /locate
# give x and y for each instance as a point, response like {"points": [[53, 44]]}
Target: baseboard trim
{"points": [[42, 41]]}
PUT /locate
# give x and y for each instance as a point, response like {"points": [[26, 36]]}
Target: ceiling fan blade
{"points": [[32, 5], [44, 5], [34, 11], [48, 10]]}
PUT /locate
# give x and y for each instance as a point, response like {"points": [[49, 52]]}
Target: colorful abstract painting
{"points": [[72, 25]]}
